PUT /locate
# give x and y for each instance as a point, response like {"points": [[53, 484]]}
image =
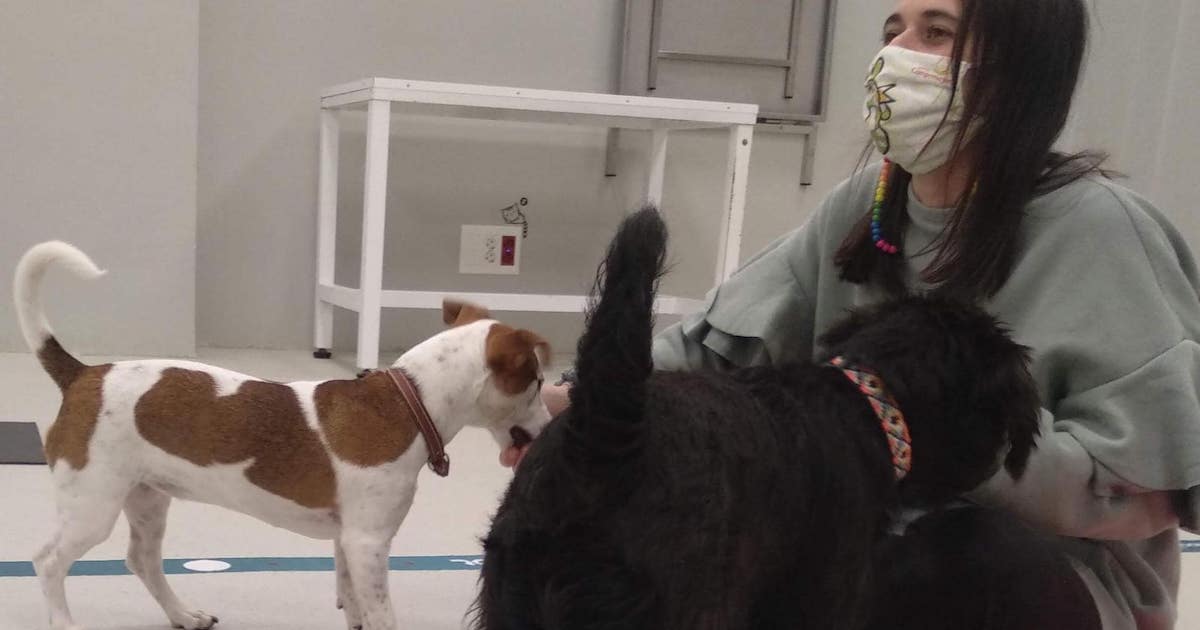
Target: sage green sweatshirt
{"points": [[1106, 293]]}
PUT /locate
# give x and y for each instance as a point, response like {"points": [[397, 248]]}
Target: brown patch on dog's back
{"points": [[71, 433], [263, 422], [513, 357], [457, 313], [365, 421]]}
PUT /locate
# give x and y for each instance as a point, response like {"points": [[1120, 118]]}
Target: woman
{"points": [[965, 101]]}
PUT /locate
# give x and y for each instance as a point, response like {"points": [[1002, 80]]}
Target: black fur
{"points": [[979, 569], [751, 499]]}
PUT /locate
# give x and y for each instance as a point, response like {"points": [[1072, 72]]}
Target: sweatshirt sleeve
{"points": [[1066, 491], [746, 319], [765, 313], [1117, 353]]}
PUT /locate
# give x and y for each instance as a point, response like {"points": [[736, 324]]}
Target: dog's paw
{"points": [[193, 620], [353, 616]]}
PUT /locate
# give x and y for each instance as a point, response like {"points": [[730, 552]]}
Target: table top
{"points": [[492, 102]]}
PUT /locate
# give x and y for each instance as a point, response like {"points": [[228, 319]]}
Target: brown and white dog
{"points": [[332, 460]]}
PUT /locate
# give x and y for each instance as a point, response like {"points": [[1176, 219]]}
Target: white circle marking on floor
{"points": [[206, 566]]}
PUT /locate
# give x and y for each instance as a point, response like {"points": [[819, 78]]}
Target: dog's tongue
{"points": [[511, 457]]}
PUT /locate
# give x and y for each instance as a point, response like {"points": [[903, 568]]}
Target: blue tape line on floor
{"points": [[256, 565], [260, 565]]}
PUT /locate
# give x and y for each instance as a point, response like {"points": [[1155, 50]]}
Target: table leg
{"points": [[658, 166], [736, 175], [327, 189], [374, 212]]}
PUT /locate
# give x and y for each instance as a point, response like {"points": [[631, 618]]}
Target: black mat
{"points": [[20, 443]]}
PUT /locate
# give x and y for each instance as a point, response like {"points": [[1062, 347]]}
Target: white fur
{"points": [[27, 285], [126, 472]]}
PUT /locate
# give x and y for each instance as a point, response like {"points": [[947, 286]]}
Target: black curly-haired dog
{"points": [[973, 568], [748, 499]]}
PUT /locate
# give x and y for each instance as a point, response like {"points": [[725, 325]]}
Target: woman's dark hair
{"points": [[1026, 59]]}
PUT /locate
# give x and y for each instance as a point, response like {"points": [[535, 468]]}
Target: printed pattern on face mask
{"points": [[913, 108], [879, 108]]}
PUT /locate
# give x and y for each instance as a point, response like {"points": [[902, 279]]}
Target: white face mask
{"points": [[907, 95]]}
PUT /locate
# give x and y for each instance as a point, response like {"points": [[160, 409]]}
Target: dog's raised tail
{"points": [[60, 364], [613, 358]]}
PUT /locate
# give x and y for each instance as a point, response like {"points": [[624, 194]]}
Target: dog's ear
{"points": [[540, 347], [459, 313], [843, 329], [516, 357], [1019, 408], [1023, 429]]}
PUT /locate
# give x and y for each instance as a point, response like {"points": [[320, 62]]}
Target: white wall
{"points": [[98, 147], [100, 109], [1137, 101], [263, 64], [1175, 185]]}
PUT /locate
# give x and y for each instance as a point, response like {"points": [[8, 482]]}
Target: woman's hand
{"points": [[556, 398]]}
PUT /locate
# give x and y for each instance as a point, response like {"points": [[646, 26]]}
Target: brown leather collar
{"points": [[439, 461]]}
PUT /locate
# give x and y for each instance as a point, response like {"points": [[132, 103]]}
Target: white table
{"points": [[384, 97]]}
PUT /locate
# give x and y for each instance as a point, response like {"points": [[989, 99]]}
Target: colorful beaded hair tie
{"points": [[877, 210]]}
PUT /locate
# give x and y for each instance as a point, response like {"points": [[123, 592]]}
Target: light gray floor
{"points": [[447, 518]]}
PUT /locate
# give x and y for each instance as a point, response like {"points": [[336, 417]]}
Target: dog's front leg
{"points": [[347, 601], [366, 555]]}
